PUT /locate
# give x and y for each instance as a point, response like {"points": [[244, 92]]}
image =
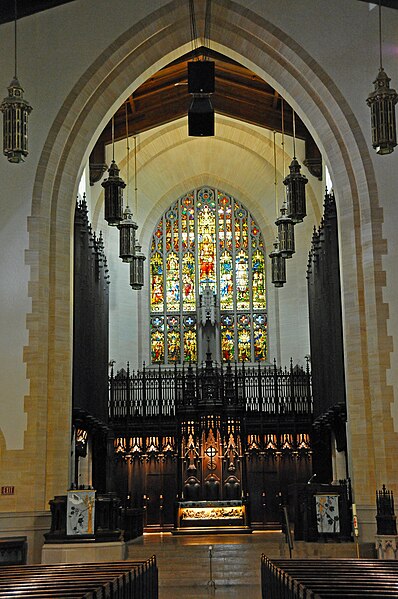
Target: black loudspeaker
{"points": [[201, 117], [201, 77]]}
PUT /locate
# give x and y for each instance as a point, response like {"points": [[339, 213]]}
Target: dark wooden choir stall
{"points": [[211, 447]]}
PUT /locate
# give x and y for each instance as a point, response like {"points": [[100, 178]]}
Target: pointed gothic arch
{"points": [[130, 59], [207, 279]]}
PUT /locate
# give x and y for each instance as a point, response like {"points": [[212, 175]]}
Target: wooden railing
{"points": [[113, 580], [108, 519], [331, 578], [268, 391]]}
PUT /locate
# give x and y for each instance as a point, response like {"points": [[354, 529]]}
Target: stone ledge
{"points": [[87, 552]]}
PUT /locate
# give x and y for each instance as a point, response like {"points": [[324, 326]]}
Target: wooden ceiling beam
{"points": [[132, 104], [240, 94]]}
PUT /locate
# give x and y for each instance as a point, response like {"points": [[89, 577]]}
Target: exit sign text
{"points": [[7, 490]]}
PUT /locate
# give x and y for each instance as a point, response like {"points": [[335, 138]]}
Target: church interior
{"points": [[199, 301]]}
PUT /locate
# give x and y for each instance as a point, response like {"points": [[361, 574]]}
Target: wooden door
{"points": [[153, 493], [263, 486]]}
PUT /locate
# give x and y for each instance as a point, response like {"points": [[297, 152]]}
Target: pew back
{"points": [[105, 580], [328, 578]]}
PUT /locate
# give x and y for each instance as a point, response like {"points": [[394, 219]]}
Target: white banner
{"points": [[327, 513], [80, 512]]}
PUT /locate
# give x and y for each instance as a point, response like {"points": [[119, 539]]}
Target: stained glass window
{"points": [[207, 239], [244, 338], [157, 283], [188, 282], [242, 280], [260, 337], [173, 339], [258, 279], [157, 340], [172, 282], [226, 282], [190, 341], [227, 338]]}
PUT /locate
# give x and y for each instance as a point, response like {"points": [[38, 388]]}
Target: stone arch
{"points": [[137, 53]]}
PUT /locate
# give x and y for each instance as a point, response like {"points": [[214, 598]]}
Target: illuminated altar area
{"points": [[209, 421], [216, 516], [213, 458]]}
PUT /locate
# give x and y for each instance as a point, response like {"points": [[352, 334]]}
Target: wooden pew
{"points": [[105, 580], [39, 581], [328, 578]]}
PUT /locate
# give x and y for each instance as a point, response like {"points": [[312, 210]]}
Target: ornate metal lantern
{"points": [[127, 228], [15, 111], [278, 266], [285, 226], [113, 187], [137, 268], [382, 107], [295, 192], [15, 123]]}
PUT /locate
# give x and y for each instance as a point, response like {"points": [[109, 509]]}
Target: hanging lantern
{"points": [[113, 186], [15, 111], [278, 266], [382, 107], [137, 268], [15, 123], [295, 192], [285, 233], [127, 228]]}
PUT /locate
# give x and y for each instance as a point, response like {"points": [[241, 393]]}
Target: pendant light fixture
{"points": [[295, 186], [137, 268], [127, 227], [15, 111], [278, 262], [278, 266], [285, 233], [113, 187], [138, 259], [284, 223], [382, 108]]}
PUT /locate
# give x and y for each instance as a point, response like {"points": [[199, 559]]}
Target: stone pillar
{"points": [[387, 547]]}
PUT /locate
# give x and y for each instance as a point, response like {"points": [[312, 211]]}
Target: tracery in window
{"points": [[207, 239]]}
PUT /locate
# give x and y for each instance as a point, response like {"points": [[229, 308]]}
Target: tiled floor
{"points": [[184, 564]]}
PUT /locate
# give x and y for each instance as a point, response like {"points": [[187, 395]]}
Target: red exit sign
{"points": [[8, 490]]}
